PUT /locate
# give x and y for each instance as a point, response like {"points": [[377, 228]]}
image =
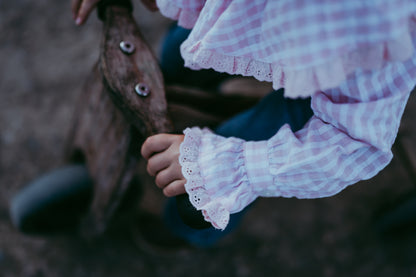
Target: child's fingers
{"points": [[157, 162], [175, 188], [168, 175], [84, 11], [75, 7], [156, 144]]}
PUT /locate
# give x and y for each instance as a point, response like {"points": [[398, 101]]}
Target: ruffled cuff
{"points": [[217, 181], [186, 17]]}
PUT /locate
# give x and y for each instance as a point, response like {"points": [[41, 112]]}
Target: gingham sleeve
{"points": [[303, 46], [186, 12], [348, 139]]}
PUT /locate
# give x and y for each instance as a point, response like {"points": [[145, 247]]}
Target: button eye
{"points": [[142, 89], [127, 47]]}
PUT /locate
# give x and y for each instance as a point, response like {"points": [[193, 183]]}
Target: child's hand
{"points": [[162, 154], [81, 9]]}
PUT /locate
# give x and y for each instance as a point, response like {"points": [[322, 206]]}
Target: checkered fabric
{"points": [[356, 60]]}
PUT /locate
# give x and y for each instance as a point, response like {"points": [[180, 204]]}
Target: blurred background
{"points": [[44, 61]]}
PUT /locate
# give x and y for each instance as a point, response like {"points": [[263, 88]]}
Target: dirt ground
{"points": [[44, 59]]}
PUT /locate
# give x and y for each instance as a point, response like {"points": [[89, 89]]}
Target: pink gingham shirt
{"points": [[356, 60]]}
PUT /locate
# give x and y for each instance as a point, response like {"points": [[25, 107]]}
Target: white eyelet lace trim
{"points": [[302, 82], [213, 211]]}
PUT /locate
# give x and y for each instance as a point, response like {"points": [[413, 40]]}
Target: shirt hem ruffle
{"points": [[302, 82]]}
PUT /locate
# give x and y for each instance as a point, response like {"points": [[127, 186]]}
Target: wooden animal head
{"points": [[123, 102], [131, 73]]}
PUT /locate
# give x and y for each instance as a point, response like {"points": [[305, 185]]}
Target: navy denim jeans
{"points": [[260, 122]]}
